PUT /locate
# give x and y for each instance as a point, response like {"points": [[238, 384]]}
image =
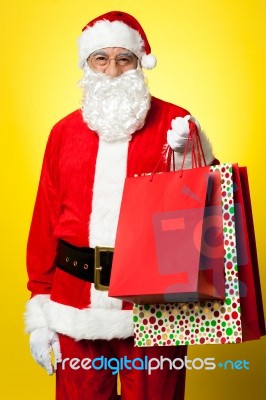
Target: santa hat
{"points": [[115, 29]]}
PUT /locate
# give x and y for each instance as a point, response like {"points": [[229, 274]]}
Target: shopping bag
{"points": [[169, 243], [240, 316], [252, 315]]}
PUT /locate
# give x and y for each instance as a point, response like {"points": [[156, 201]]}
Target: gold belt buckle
{"points": [[98, 268]]}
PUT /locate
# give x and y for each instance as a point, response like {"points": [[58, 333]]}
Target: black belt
{"points": [[92, 265]]}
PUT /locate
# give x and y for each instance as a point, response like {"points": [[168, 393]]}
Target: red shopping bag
{"points": [[252, 315], [158, 255], [169, 243]]}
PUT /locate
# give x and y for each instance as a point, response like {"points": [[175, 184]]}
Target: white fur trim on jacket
{"points": [[110, 173], [87, 323]]}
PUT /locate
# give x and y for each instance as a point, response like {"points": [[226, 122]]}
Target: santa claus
{"points": [[119, 131]]}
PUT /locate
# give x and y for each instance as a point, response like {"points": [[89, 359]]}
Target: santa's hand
{"points": [[177, 136], [42, 342]]}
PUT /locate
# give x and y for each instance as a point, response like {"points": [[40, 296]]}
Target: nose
{"points": [[112, 69]]}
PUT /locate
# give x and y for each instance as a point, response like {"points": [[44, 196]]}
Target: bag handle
{"points": [[197, 154]]}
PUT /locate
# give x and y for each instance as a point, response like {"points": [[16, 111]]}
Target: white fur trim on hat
{"points": [[109, 34], [113, 34]]}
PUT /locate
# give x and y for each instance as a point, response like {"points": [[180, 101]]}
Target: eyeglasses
{"points": [[123, 60]]}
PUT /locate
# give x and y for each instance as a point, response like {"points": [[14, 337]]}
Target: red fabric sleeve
{"points": [[41, 247]]}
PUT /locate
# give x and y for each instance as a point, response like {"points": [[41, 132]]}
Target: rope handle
{"points": [[197, 154]]}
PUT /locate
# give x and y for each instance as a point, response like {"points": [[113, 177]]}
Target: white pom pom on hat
{"points": [[148, 61], [115, 29]]}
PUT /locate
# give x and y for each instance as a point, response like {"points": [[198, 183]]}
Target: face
{"points": [[112, 61]]}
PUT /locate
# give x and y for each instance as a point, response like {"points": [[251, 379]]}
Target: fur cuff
{"points": [[35, 312], [90, 323]]}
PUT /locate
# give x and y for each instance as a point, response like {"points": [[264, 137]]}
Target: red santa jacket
{"points": [[78, 200]]}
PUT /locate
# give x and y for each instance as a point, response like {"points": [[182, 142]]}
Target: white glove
{"points": [[177, 136], [42, 342]]}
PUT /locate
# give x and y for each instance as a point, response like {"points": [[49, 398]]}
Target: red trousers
{"points": [[77, 378]]}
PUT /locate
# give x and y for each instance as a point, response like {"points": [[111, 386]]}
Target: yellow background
{"points": [[211, 60]]}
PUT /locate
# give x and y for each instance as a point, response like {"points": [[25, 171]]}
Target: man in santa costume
{"points": [[120, 131]]}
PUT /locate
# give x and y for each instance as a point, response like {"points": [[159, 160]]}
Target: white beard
{"points": [[115, 107]]}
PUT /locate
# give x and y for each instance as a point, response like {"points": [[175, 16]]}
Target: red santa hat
{"points": [[115, 29]]}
